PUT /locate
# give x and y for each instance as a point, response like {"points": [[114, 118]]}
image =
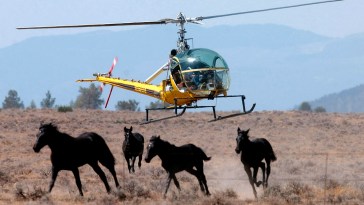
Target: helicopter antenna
{"points": [[181, 20]]}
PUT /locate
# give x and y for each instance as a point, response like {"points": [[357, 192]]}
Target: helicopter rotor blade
{"points": [[261, 10], [162, 21], [177, 21]]}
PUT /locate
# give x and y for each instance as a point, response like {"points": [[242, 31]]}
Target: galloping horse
{"points": [[176, 159], [133, 146], [69, 153], [252, 154]]}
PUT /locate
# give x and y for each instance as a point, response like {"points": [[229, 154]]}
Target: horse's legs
{"points": [[111, 168], [53, 179], [255, 172], [201, 177], [140, 160], [168, 183], [194, 172], [176, 182], [249, 173], [262, 166], [204, 181], [256, 169], [127, 161], [132, 163], [265, 184], [76, 173], [101, 174]]}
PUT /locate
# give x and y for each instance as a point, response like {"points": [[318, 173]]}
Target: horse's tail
{"points": [[106, 158], [207, 159], [202, 154], [271, 154]]}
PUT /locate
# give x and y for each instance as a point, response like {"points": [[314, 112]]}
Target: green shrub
{"points": [[65, 109]]}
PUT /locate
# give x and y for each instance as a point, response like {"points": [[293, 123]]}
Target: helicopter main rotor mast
{"points": [[182, 42], [181, 20]]}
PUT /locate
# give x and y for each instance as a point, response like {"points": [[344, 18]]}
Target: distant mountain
{"points": [[350, 100], [275, 66]]}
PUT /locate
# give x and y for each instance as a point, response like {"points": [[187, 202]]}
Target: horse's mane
{"points": [[50, 126], [54, 129], [164, 142]]}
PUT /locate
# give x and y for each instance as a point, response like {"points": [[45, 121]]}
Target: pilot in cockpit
{"points": [[175, 67]]}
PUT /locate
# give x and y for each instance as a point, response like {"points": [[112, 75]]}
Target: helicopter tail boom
{"points": [[132, 85]]}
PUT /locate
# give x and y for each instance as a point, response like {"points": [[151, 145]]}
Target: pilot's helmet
{"points": [[173, 52]]}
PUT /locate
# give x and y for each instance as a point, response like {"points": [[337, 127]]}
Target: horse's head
{"points": [[240, 139], [127, 134], [44, 136], [152, 148]]}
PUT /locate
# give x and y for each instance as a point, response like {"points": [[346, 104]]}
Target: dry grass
{"points": [[319, 159]]}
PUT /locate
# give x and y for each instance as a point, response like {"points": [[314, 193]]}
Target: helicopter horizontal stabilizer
{"points": [[86, 80]]}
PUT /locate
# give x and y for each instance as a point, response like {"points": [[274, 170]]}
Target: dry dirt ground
{"points": [[319, 155]]}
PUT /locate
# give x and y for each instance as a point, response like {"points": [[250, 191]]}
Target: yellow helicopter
{"points": [[193, 74]]}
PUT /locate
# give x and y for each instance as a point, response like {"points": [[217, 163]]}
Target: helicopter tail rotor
{"points": [[115, 61], [109, 74], [101, 87]]}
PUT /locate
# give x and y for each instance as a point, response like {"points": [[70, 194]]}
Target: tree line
{"points": [[88, 98], [305, 106]]}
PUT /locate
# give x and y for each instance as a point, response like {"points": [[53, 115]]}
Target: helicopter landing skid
{"points": [[184, 108], [235, 114]]}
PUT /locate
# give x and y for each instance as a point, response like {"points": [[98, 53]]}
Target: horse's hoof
{"points": [[108, 190], [259, 183]]}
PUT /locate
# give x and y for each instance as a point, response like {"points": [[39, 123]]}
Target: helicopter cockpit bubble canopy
{"points": [[204, 72]]}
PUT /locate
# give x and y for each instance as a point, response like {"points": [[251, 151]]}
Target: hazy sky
{"points": [[337, 19]]}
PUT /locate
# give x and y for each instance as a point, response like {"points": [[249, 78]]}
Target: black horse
{"points": [[133, 146], [69, 153], [252, 154], [176, 159]]}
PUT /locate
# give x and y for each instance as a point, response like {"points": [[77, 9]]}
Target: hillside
{"points": [[350, 100], [275, 66], [319, 158]]}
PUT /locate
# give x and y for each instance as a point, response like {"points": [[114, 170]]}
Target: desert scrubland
{"points": [[320, 158]]}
